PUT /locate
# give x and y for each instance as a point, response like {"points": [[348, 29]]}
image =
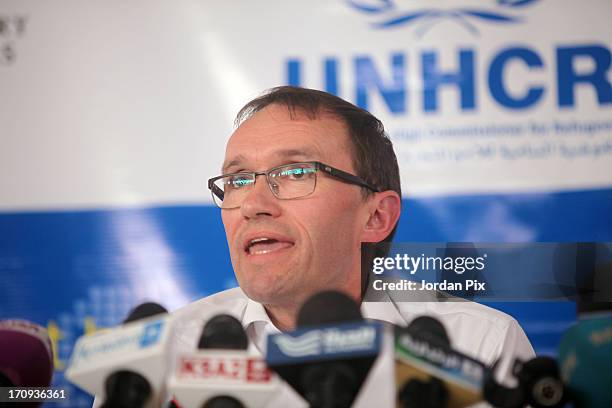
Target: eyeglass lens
{"points": [[286, 182]]}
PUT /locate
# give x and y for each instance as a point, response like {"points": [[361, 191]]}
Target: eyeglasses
{"points": [[295, 180]]}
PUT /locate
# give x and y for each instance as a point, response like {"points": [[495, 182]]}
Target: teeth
{"points": [[256, 240], [260, 252], [263, 245]]}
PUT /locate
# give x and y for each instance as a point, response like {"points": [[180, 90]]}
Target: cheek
{"points": [[230, 226], [336, 227]]}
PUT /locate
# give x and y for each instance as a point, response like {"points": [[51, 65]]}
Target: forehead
{"points": [[273, 136]]}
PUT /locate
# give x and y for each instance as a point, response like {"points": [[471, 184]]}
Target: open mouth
{"points": [[263, 245]]}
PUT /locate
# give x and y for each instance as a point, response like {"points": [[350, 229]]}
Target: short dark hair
{"points": [[373, 155]]}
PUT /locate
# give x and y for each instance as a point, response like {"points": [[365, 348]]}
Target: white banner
{"points": [[109, 103]]}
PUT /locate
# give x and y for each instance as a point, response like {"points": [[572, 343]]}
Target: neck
{"points": [[284, 318]]}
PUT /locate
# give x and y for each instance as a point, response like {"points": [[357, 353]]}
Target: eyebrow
{"points": [[234, 162], [302, 154]]}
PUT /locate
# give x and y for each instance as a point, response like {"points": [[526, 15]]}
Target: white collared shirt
{"points": [[484, 333]]}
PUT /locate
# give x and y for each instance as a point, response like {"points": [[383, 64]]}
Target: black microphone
{"points": [[223, 332], [539, 386], [327, 358], [145, 310], [329, 307], [430, 329]]}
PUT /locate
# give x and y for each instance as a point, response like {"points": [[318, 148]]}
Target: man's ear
{"points": [[385, 208]]}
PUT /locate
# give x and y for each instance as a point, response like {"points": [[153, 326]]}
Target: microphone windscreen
{"points": [[430, 329], [223, 332], [5, 381], [328, 307], [223, 402], [145, 310], [585, 358], [26, 357]]}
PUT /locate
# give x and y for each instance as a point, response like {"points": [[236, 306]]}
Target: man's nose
{"points": [[260, 200]]}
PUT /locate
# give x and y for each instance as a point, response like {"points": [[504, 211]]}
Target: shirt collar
{"points": [[384, 311], [255, 312], [257, 325]]}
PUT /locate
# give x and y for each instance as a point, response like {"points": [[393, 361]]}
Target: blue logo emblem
{"points": [[325, 343], [151, 334], [424, 19]]}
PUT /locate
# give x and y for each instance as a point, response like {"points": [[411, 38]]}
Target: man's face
{"points": [[283, 251]]}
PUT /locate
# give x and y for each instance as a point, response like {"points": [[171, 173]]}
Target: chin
{"points": [[259, 287], [261, 296]]}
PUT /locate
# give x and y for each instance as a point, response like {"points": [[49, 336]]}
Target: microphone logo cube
{"points": [[151, 334], [223, 366], [346, 340]]}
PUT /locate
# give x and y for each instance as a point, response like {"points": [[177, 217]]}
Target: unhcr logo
{"points": [[388, 15], [327, 341]]}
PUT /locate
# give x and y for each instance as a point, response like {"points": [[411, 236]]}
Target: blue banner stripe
{"points": [[49, 260]]}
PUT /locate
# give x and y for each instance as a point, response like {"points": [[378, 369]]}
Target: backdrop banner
{"points": [[113, 114]]}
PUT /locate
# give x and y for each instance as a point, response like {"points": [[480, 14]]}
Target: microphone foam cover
{"points": [[145, 310], [26, 357], [223, 401], [430, 329], [328, 307], [585, 358], [223, 332]]}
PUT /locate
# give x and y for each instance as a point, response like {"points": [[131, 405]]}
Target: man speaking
{"points": [[308, 178]]}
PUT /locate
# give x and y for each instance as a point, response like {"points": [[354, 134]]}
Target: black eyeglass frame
{"points": [[325, 168]]}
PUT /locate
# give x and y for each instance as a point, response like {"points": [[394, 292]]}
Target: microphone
{"points": [[221, 374], [26, 356], [126, 365], [539, 386], [144, 310], [223, 332], [429, 373], [582, 372], [585, 358], [328, 307], [327, 358]]}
